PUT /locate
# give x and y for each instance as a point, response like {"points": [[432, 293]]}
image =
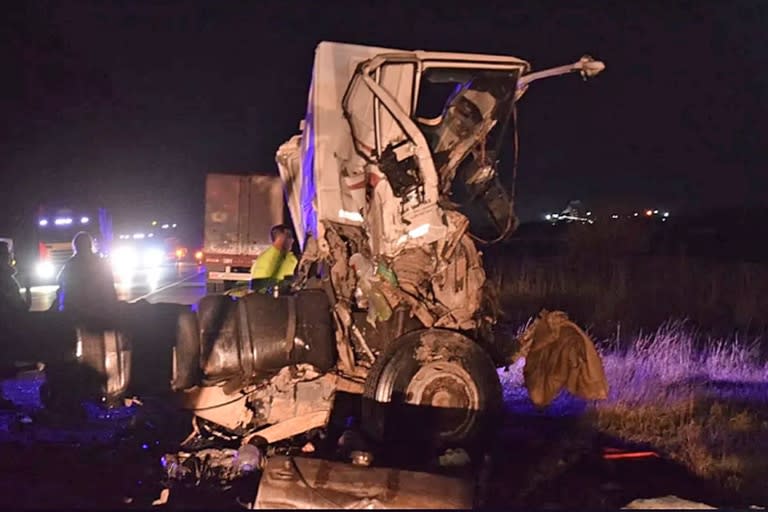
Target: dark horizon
{"points": [[132, 104]]}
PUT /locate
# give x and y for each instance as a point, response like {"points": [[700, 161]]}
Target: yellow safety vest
{"points": [[272, 264]]}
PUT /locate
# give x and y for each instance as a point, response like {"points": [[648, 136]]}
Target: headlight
{"points": [[153, 257], [123, 260], [45, 269]]}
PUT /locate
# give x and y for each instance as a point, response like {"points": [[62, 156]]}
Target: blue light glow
{"points": [[308, 187]]}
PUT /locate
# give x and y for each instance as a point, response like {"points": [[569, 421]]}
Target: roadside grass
{"points": [[701, 402], [606, 291]]}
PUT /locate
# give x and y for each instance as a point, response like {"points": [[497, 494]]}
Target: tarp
{"points": [[559, 355]]}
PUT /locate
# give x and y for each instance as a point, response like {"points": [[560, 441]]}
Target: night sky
{"points": [[132, 103]]}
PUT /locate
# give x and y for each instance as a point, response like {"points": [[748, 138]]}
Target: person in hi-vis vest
{"points": [[277, 263]]}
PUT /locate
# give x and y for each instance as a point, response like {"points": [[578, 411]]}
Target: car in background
{"points": [[138, 258]]}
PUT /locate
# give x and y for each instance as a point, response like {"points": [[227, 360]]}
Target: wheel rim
{"points": [[446, 386]]}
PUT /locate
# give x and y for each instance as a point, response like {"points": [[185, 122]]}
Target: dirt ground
{"points": [[538, 461]]}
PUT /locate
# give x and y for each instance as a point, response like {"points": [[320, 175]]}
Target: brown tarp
{"points": [[561, 355]]}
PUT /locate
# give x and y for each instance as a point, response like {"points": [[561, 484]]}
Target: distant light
{"points": [[124, 261], [154, 223], [150, 235], [589, 213], [199, 255], [63, 221], [666, 214], [153, 257], [45, 269], [138, 236], [614, 216], [84, 220], [548, 216], [173, 225], [165, 226], [636, 214], [648, 213], [655, 212], [43, 222]]}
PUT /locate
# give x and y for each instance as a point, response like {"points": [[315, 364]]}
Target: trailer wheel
{"points": [[433, 385]]}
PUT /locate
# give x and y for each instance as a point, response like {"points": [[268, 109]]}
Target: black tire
{"points": [[214, 287], [435, 386]]}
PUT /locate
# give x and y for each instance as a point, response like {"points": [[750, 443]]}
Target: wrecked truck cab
{"points": [[391, 183], [367, 151]]}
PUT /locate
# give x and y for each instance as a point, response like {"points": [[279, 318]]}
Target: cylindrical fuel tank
{"points": [[257, 335]]}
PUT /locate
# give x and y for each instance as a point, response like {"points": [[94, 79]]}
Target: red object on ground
{"points": [[616, 453]]}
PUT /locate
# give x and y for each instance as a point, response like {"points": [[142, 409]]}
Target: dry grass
{"points": [[701, 402], [636, 292]]}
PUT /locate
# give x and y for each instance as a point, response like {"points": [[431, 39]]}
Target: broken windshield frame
{"points": [[431, 66]]}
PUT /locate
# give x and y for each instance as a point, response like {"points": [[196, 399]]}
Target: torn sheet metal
{"points": [[225, 464], [297, 393], [304, 483]]}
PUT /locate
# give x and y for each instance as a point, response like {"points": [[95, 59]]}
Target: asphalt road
{"points": [[181, 284]]}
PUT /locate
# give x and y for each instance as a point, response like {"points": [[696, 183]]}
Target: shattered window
{"points": [[397, 79], [437, 88], [360, 110]]}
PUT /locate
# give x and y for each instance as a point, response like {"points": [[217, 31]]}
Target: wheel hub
{"points": [[449, 387]]}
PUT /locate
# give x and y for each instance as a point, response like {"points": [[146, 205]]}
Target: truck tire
{"points": [[214, 287], [435, 386]]}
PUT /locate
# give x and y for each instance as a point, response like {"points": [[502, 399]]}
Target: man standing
{"points": [[86, 284], [275, 264]]}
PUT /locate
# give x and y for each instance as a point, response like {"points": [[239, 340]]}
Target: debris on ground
{"points": [[163, 499], [454, 458], [302, 483], [666, 503]]}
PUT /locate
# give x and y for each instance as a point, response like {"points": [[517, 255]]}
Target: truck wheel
{"points": [[433, 385], [214, 287]]}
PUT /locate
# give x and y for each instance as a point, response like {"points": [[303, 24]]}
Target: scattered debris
{"points": [[454, 458], [163, 499], [666, 503], [361, 458], [304, 483]]}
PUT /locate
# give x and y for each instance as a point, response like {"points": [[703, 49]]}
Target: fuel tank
{"points": [[257, 335]]}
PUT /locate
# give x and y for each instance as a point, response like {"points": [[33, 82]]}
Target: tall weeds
{"points": [[638, 292], [701, 401]]}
